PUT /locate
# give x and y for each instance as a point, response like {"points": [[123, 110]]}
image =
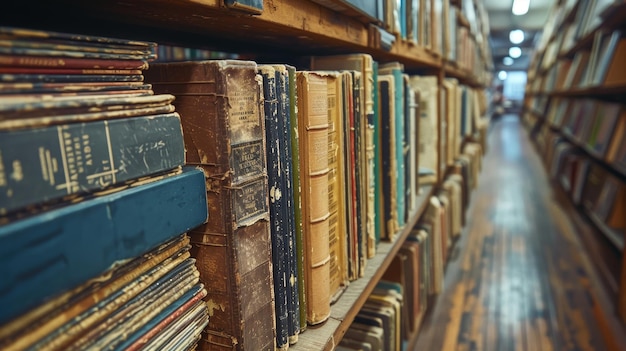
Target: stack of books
{"points": [[94, 199]]}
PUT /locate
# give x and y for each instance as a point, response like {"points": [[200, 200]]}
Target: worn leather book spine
{"points": [[290, 245], [277, 203], [313, 130], [222, 113], [386, 84]]}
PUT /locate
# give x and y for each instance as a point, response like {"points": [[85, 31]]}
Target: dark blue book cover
{"points": [[286, 162], [49, 163], [54, 251], [277, 197]]}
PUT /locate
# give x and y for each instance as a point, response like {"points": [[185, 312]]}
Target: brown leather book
{"points": [[313, 131], [223, 124]]}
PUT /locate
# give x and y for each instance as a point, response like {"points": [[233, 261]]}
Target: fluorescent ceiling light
{"points": [[515, 52], [502, 75], [516, 36], [520, 7], [507, 61]]}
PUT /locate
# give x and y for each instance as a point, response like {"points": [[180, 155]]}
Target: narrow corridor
{"points": [[517, 278]]}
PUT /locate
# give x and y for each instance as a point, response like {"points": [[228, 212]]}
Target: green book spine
{"points": [[295, 178]]}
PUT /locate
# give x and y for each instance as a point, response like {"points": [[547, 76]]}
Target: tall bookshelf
{"points": [[574, 109], [286, 31]]}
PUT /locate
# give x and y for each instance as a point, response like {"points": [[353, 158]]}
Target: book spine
{"points": [[297, 199], [284, 126], [377, 142], [360, 163], [370, 183], [337, 242], [221, 104], [406, 146], [56, 255], [65, 62], [388, 154], [49, 163], [277, 196], [350, 179], [313, 130], [399, 136]]}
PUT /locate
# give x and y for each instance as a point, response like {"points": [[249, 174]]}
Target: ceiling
{"points": [[502, 21]]}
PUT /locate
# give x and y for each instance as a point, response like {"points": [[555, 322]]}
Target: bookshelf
{"points": [[343, 311], [286, 31], [574, 109]]}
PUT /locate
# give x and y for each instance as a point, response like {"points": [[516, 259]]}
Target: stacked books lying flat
{"points": [[91, 178], [154, 301]]}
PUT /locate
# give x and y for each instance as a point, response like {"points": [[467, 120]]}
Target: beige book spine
{"points": [[336, 199], [313, 131]]}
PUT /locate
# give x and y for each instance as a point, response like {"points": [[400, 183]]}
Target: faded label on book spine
{"points": [[249, 201], [247, 160]]}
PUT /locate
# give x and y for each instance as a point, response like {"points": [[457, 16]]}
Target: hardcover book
{"points": [[297, 200], [427, 86], [221, 106], [388, 152], [70, 160], [121, 225], [285, 92], [364, 64], [313, 131], [277, 202], [337, 220]]}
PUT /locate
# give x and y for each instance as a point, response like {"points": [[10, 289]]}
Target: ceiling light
{"points": [[502, 75], [515, 52], [516, 36], [520, 7], [507, 61]]}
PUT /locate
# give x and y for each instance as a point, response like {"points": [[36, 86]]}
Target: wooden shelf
{"points": [[285, 28], [614, 237], [592, 155], [463, 75], [596, 91], [328, 335]]}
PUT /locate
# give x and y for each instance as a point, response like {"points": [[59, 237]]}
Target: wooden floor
{"points": [[517, 279]]}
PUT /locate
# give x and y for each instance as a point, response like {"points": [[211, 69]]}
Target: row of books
{"points": [[598, 126], [597, 64], [94, 200], [590, 185], [290, 166], [173, 53], [456, 31], [394, 310], [329, 161]]}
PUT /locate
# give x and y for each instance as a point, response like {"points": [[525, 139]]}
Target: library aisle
{"points": [[521, 282]]}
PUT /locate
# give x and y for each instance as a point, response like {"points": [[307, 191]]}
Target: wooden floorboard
{"points": [[519, 279]]}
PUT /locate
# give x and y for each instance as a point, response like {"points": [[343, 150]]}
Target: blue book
{"points": [[54, 251], [283, 86], [277, 204], [54, 162]]}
